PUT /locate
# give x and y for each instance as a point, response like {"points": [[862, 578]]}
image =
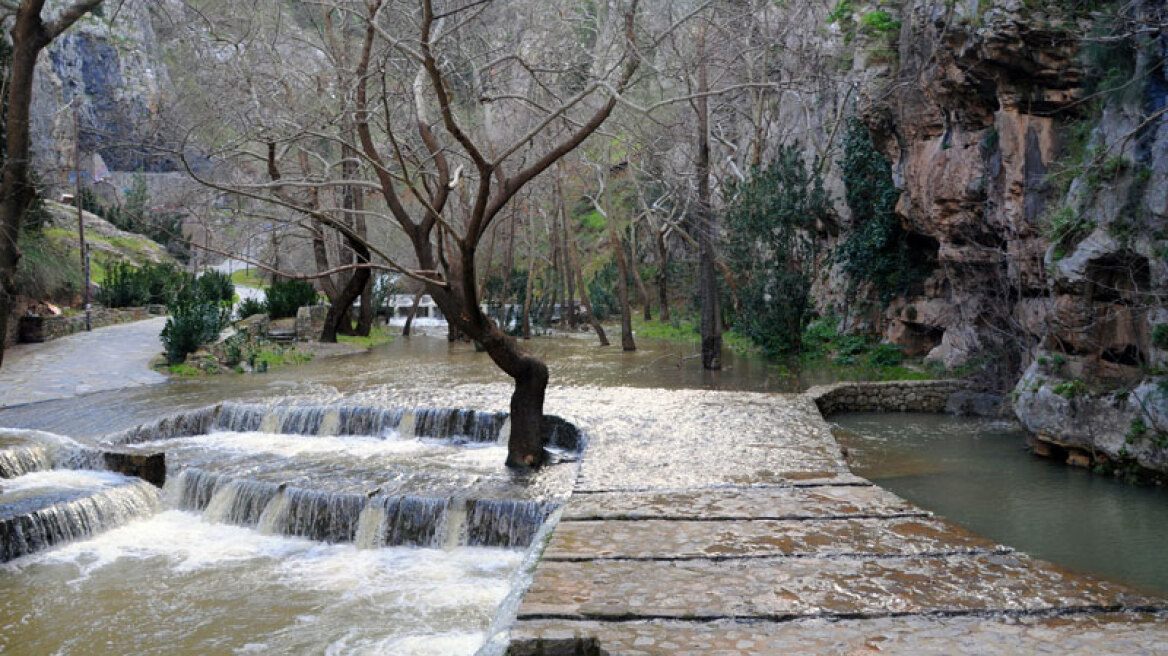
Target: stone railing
{"points": [[36, 328], [894, 396]]}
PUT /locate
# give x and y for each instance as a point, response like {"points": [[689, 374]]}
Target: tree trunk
{"points": [[530, 281], [342, 308], [508, 267], [525, 444], [662, 275], [368, 312], [641, 291], [711, 328], [622, 290], [584, 300], [413, 313]]}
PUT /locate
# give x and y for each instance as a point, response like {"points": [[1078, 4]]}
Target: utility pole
{"points": [[80, 216]]}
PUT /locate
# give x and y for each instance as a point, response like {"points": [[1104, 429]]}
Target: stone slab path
{"points": [[107, 358], [709, 523]]}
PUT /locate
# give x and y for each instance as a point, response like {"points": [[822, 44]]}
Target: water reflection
{"points": [[976, 473], [416, 362]]}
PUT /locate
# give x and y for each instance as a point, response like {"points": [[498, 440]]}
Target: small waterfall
{"points": [[330, 423], [103, 509], [455, 523], [447, 424], [458, 425], [19, 460], [413, 521], [321, 515], [222, 499], [270, 423], [371, 525], [195, 422], [504, 431], [362, 420], [504, 522], [406, 427], [240, 418], [275, 514]]}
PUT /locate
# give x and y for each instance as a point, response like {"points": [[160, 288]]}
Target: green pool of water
{"points": [[977, 473]]}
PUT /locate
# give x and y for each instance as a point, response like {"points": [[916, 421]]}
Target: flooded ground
{"points": [[416, 362], [978, 474], [182, 583]]}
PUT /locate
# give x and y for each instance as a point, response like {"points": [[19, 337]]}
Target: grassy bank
{"points": [[838, 357]]}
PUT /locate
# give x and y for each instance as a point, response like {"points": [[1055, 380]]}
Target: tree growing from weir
{"points": [[450, 119]]}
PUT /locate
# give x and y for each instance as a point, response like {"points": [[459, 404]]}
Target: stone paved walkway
{"points": [[707, 523], [104, 359]]}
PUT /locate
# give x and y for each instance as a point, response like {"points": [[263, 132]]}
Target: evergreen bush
{"points": [[249, 307], [285, 297], [192, 323], [769, 246], [215, 286]]}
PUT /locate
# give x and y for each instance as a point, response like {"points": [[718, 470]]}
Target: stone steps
{"points": [[730, 525]]}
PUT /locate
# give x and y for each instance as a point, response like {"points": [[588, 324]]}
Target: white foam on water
{"points": [[282, 594], [59, 479], [292, 446], [447, 644]]}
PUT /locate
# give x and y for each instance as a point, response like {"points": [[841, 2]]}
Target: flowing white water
{"points": [[324, 529], [176, 585]]}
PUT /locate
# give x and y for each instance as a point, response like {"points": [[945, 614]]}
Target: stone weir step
{"points": [[47, 508], [739, 531], [760, 571]]}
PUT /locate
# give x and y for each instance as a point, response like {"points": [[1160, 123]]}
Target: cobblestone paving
{"points": [[1086, 634], [713, 523]]}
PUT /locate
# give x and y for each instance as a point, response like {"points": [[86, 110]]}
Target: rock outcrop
{"points": [[103, 81], [1033, 178]]}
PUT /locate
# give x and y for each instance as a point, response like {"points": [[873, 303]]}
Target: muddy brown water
{"points": [[171, 583]]}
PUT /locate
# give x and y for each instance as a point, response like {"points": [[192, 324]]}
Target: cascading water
{"points": [[317, 471], [371, 530], [23, 459], [45, 508]]}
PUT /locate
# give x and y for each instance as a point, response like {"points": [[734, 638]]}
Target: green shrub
{"points": [[1160, 337], [215, 286], [192, 323], [1065, 228], [1070, 389], [768, 246], [876, 249], [602, 292], [885, 355], [127, 286], [123, 287], [249, 307], [285, 297], [879, 23]]}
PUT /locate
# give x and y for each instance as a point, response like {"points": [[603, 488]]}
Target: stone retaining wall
{"points": [[894, 396], [36, 328]]}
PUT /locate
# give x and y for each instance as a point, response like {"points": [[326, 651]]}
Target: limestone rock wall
{"points": [[1040, 194], [103, 82]]}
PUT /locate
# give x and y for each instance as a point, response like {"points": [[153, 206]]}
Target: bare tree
{"points": [[30, 33], [452, 120]]}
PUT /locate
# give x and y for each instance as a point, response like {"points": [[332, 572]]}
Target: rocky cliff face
{"points": [[105, 80], [1033, 171]]}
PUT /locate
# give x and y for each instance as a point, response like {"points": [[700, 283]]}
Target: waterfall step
{"points": [[41, 509], [453, 425], [20, 459], [371, 519]]}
